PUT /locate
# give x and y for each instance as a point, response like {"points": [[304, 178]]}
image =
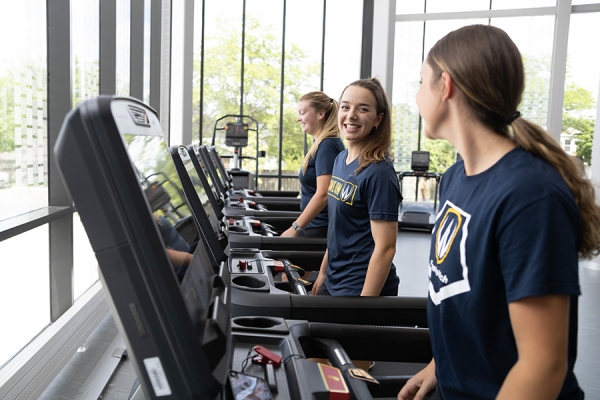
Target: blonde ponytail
{"points": [[320, 101]]}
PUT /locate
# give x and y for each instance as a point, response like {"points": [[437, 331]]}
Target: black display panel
{"points": [[109, 152], [215, 195], [212, 171], [219, 167], [194, 187], [195, 180]]}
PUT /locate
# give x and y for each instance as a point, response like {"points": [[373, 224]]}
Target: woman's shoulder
{"points": [[334, 143], [381, 168]]}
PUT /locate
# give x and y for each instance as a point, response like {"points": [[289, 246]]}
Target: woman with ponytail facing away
{"points": [[317, 115], [515, 217]]}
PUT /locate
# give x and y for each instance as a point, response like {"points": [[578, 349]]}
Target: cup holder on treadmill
{"points": [[251, 283], [259, 324], [237, 229]]}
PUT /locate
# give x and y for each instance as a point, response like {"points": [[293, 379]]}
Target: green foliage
{"points": [[441, 155], [578, 100], [7, 118], [534, 102], [262, 83]]}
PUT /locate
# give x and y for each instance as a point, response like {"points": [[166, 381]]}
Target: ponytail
{"points": [[320, 101], [535, 140]]}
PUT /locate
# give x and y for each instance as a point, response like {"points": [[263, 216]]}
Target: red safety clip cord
{"points": [[265, 356], [278, 266]]}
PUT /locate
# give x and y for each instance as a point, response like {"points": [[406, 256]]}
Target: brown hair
{"points": [[378, 146], [487, 67], [320, 101]]}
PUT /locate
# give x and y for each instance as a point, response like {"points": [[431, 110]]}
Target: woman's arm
{"points": [[314, 206], [384, 235], [420, 384], [179, 258], [322, 274], [541, 329]]}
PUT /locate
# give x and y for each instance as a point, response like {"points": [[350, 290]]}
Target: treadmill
{"points": [[261, 231], [180, 337], [255, 291], [225, 182], [233, 198]]}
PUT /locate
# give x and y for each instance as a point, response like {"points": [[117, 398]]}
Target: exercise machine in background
{"points": [[418, 211], [237, 128]]}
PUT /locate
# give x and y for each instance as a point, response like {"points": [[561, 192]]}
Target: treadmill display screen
{"points": [[157, 176], [206, 173], [200, 190], [218, 166]]}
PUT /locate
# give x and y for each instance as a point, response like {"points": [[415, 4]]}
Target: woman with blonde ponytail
{"points": [[317, 115], [516, 215]]}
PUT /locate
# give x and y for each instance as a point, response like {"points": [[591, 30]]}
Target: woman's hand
{"points": [[290, 232], [318, 283], [419, 385], [322, 274]]}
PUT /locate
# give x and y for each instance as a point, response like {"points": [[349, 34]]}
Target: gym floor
{"points": [[411, 263]]}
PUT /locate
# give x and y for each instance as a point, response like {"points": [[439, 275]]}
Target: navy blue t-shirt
{"points": [[320, 164], [505, 234], [171, 237], [355, 200]]}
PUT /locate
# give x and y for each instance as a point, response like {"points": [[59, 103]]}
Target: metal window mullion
{"points": [[14, 226], [585, 8], [596, 151], [282, 83], [136, 50], [58, 20], [108, 46], [383, 44], [366, 58], [155, 54], [164, 110], [322, 51], [201, 106], [558, 69], [521, 12]]}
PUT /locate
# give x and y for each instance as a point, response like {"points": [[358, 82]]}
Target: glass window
{"points": [[534, 38], [24, 289], [23, 108], [85, 265], [222, 68], [408, 57], [342, 64], [262, 80], [410, 7], [582, 81], [439, 6], [85, 49], [512, 4], [123, 46], [303, 49], [147, 10], [197, 132]]}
